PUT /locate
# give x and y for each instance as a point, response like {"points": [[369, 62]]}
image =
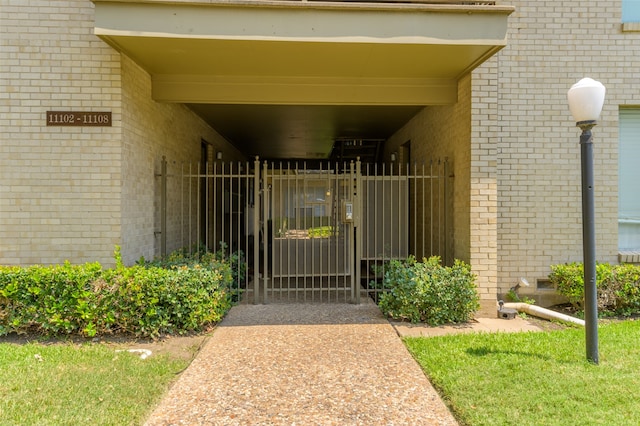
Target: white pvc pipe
{"points": [[543, 313]]}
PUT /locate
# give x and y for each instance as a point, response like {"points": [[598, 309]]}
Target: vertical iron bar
{"points": [[366, 237], [297, 209], [198, 212], [415, 213], [407, 213], [338, 225], [239, 218], [366, 213], [401, 211], [245, 245], [321, 219], [396, 249], [381, 211], [312, 242], [392, 178], [190, 201], [265, 231], [445, 201], [278, 214], [373, 196], [290, 213], [440, 196], [423, 242], [431, 225], [358, 229], [383, 183], [349, 239], [230, 226], [182, 205], [216, 214], [256, 230], [304, 224], [163, 207], [223, 203], [239, 211], [206, 205], [344, 227], [351, 233]]}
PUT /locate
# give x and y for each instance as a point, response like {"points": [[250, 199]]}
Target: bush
{"points": [[429, 292], [618, 286], [85, 299], [233, 265]]}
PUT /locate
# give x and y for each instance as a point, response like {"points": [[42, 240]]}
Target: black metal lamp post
{"points": [[586, 99]]}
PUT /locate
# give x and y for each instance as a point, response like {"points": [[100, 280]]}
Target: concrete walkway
{"points": [[304, 364]]}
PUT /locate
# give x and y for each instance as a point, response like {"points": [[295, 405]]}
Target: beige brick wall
{"points": [[551, 46], [77, 192], [484, 188], [152, 130], [445, 131], [59, 186]]}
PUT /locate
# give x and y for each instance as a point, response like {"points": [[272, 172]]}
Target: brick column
{"points": [[483, 195]]}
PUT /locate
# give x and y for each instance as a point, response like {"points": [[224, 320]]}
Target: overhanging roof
{"points": [[303, 53]]}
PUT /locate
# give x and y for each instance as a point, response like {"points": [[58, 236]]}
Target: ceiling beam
{"points": [[304, 90]]}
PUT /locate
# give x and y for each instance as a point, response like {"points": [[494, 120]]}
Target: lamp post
{"points": [[586, 98]]}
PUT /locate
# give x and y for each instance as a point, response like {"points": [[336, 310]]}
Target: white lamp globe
{"points": [[586, 99]]}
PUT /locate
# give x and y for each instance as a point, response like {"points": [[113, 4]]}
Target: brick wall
{"points": [[445, 131], [551, 46], [59, 186], [76, 192], [152, 130], [484, 188]]}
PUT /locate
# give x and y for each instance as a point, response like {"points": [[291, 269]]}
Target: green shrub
{"points": [[232, 265], [85, 299], [56, 298], [618, 286], [429, 292], [627, 290]]}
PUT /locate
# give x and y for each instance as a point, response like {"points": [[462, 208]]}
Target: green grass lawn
{"points": [[536, 378], [71, 384]]}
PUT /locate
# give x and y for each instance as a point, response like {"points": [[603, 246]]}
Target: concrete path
{"points": [[304, 364]]}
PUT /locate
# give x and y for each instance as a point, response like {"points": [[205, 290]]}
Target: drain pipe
{"points": [[537, 311]]}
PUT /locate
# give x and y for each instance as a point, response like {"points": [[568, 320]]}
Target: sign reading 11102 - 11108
{"points": [[78, 118]]}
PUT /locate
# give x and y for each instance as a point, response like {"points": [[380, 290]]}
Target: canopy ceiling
{"points": [[285, 78]]}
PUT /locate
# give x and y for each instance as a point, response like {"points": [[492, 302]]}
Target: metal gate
{"points": [[321, 233]]}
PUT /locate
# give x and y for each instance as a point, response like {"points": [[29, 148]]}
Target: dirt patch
{"points": [[178, 347], [544, 324]]}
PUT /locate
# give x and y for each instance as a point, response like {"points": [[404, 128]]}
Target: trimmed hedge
{"points": [[618, 286], [143, 300], [429, 292], [198, 256]]}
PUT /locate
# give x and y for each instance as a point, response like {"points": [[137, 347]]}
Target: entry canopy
{"points": [[254, 52]]}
